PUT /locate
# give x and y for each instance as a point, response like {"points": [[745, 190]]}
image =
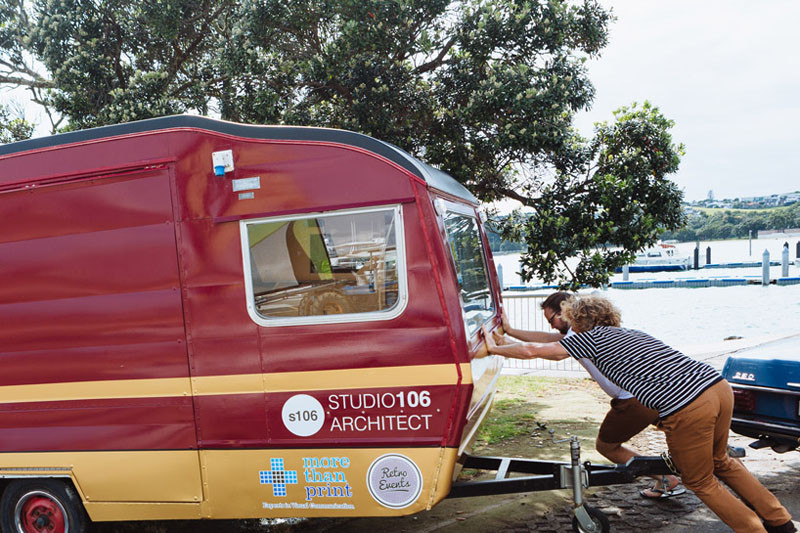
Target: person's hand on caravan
{"points": [[525, 350]]}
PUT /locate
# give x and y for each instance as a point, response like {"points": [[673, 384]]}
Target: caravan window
{"points": [[470, 266], [331, 267]]}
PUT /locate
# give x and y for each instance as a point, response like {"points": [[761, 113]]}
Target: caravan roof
{"points": [[435, 178]]}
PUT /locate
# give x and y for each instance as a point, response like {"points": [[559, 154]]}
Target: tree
{"points": [[111, 61], [484, 89], [619, 202], [13, 127]]}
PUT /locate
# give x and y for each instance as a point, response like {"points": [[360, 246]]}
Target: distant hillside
{"points": [[752, 202], [703, 224], [712, 224]]}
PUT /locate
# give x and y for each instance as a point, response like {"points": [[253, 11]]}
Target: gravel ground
{"points": [[628, 512]]}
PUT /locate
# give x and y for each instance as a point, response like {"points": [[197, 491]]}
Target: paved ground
{"points": [[630, 513]]}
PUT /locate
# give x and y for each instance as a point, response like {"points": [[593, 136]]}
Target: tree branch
{"points": [[40, 83], [514, 195], [439, 59], [182, 55], [37, 99], [20, 67]]}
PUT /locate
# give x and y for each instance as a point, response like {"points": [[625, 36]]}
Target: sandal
{"points": [[663, 492]]}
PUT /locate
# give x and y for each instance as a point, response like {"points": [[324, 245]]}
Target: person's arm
{"points": [[526, 350], [529, 336]]}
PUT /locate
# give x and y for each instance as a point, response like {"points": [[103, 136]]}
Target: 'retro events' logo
{"points": [[394, 481]]}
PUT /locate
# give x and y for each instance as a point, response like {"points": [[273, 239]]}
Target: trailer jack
{"points": [[553, 475]]}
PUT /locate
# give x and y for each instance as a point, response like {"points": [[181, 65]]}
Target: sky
{"points": [[727, 72]]}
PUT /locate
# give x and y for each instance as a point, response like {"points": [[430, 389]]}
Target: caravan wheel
{"points": [[41, 506]]}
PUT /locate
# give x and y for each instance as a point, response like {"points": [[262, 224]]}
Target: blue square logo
{"points": [[278, 477]]}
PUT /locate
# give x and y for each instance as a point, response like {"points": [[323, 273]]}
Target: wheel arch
{"points": [[68, 479], [51, 502]]}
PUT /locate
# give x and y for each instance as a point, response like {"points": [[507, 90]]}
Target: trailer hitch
{"points": [[553, 475], [545, 475]]}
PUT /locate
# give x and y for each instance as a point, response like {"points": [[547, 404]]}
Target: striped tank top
{"points": [[660, 377]]}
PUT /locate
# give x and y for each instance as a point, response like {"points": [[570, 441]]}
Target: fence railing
{"points": [[524, 310]]}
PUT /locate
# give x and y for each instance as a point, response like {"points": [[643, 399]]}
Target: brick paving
{"points": [[628, 512]]}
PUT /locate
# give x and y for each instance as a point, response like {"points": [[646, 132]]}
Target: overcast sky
{"points": [[728, 74]]}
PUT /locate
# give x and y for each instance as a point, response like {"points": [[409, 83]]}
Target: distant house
{"points": [[719, 204], [750, 202], [791, 197]]}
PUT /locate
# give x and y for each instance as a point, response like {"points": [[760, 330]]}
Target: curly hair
{"points": [[585, 312]]}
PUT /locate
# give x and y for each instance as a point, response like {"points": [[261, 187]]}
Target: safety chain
{"points": [[670, 464]]}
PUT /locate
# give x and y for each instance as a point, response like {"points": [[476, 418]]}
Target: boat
{"points": [[659, 258]]}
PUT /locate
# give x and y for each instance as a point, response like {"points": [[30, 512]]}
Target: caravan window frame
{"points": [[446, 206], [368, 316]]}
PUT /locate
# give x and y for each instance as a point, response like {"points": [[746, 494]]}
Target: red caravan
{"points": [[202, 319]]}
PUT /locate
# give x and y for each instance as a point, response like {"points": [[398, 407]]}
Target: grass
{"points": [[505, 422], [516, 410], [528, 412], [525, 411], [523, 386]]}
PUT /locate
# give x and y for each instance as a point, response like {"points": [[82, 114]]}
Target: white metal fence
{"points": [[524, 310]]}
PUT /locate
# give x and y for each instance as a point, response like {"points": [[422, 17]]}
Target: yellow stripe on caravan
{"points": [[361, 378], [95, 390], [233, 384]]}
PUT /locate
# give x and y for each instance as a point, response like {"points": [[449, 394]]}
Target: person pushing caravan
{"points": [[694, 404], [626, 417]]}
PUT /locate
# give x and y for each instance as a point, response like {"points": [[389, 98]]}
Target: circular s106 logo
{"points": [[394, 481], [303, 415]]}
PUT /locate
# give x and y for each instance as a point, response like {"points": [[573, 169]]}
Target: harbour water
{"points": [[694, 316]]}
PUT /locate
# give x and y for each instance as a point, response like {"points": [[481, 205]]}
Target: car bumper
{"points": [[780, 433]]}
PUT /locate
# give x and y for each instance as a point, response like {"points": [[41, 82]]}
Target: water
{"points": [[691, 316], [683, 317]]}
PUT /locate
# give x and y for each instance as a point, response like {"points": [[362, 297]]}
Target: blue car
{"points": [[766, 389]]}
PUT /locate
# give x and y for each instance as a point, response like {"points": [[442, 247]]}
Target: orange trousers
{"points": [[697, 437]]}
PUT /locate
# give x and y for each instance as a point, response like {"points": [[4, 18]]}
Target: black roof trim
{"points": [[433, 177]]}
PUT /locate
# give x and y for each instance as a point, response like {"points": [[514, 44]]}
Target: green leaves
{"points": [[114, 61], [486, 90], [13, 128], [587, 225]]}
